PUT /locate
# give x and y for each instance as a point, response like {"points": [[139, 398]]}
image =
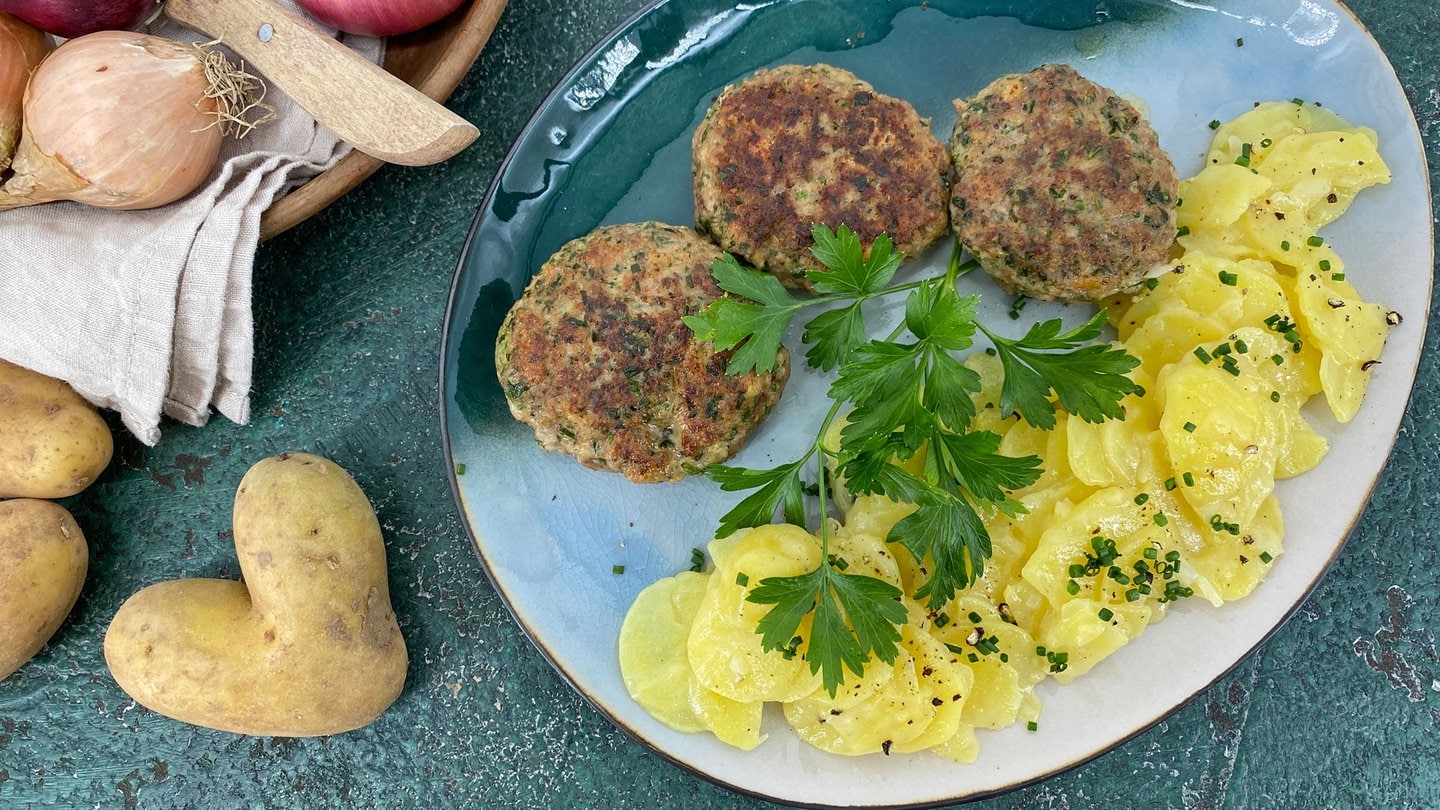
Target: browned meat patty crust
{"points": [[796, 145], [595, 358], [1060, 188]]}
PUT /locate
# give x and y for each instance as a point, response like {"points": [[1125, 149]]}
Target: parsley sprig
{"points": [[906, 393]]}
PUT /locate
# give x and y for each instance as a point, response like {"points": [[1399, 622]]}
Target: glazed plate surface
{"points": [[612, 144]]}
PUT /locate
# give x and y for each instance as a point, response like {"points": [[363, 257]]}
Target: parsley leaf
{"points": [[1088, 379], [834, 334], [840, 602], [950, 531], [776, 488], [757, 328], [906, 395], [849, 271]]}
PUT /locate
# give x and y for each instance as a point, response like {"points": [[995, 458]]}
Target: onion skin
{"points": [[21, 48], [74, 18], [379, 18], [117, 120]]}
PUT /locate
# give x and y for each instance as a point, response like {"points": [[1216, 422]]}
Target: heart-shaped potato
{"points": [[43, 559], [306, 646], [52, 442]]}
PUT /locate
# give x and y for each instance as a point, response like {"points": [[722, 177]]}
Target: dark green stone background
{"points": [[1338, 710]]}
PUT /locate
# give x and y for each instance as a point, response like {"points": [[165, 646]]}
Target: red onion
{"points": [[379, 18], [73, 18]]}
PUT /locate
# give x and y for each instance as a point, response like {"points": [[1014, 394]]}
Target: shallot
{"points": [[124, 120], [21, 46]]}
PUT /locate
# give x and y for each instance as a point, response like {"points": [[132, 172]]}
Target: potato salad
{"points": [[1253, 316]]}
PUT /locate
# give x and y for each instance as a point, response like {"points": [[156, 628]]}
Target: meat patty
{"points": [[595, 358], [792, 146], [1060, 189]]}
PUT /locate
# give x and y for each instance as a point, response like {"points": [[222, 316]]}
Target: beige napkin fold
{"points": [[148, 312]]}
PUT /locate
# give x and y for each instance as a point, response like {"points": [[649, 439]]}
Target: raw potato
{"points": [[52, 442], [309, 648], [43, 559]]}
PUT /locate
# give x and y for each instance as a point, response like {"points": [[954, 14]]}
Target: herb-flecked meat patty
{"points": [[1060, 188], [594, 356], [789, 147]]}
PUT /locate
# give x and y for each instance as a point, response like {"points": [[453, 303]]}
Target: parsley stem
{"points": [[819, 448]]}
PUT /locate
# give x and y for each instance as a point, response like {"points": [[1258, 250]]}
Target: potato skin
{"points": [[308, 645], [53, 443], [43, 560]]}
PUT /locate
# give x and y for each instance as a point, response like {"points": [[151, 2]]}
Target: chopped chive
{"points": [[1151, 283], [1142, 498], [1183, 230], [1315, 241], [1274, 396], [1239, 42], [1241, 347], [1160, 519], [697, 560], [742, 579], [1337, 276], [1285, 244], [942, 620], [1169, 484], [1189, 427], [459, 469], [1265, 143], [973, 617], [1032, 725], [1202, 354], [617, 569], [1324, 265], [1277, 359], [1266, 557], [1189, 479], [1106, 614], [1297, 101], [1229, 279], [1072, 587], [1214, 123]]}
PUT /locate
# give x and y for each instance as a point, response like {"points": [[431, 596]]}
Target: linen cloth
{"points": [[148, 312]]}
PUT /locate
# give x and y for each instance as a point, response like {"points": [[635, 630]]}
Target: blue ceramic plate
{"points": [[611, 144]]}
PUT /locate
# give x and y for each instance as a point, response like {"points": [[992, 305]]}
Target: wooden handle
{"points": [[357, 100]]}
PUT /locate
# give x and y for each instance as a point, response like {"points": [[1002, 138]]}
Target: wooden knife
{"points": [[356, 99]]}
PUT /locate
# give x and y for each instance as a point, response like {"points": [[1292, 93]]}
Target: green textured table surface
{"points": [[1338, 709]]}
